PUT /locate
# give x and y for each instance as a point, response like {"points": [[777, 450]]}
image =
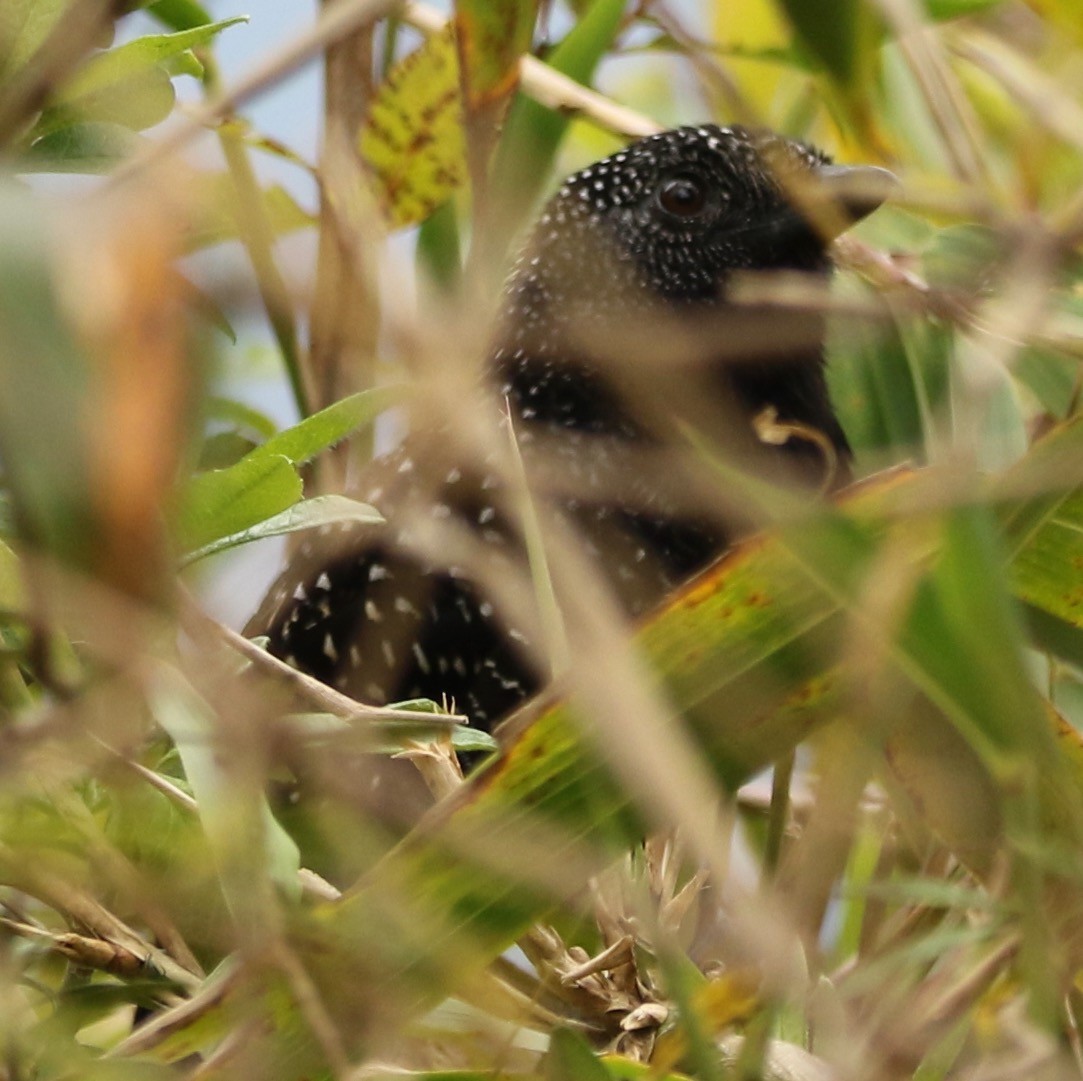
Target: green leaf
{"points": [[227, 501], [248, 843], [217, 222], [44, 381], [532, 134], [412, 138], [240, 416], [179, 14], [24, 25], [438, 247], [491, 38], [829, 30], [12, 593], [129, 85], [953, 9], [467, 740], [329, 426], [119, 65], [889, 383], [966, 639], [92, 146], [308, 514], [571, 1058], [1044, 539], [138, 102]]}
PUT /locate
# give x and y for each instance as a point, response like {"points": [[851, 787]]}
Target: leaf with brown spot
{"points": [[412, 138], [491, 39]]}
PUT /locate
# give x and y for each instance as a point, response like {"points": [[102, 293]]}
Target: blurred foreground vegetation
{"points": [[909, 904]]}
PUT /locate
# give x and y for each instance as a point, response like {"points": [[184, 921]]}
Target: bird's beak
{"points": [[849, 193]]}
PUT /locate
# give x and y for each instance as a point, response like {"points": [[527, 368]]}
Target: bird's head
{"points": [[676, 213], [625, 277]]}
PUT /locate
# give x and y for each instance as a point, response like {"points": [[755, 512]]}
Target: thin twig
{"points": [[344, 317], [326, 698], [68, 899], [550, 87], [257, 236]]}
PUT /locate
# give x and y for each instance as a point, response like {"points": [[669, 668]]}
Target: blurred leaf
{"points": [[119, 65], [217, 222], [44, 383], [24, 25], [308, 514], [491, 38], [247, 841], [829, 29], [91, 146], [142, 100], [12, 592], [967, 639], [224, 504], [1050, 376], [227, 501], [467, 740], [1044, 534], [329, 426], [889, 384], [1049, 567], [240, 415], [438, 247], [129, 85], [952, 9], [412, 138], [179, 14], [752, 630], [1065, 15], [571, 1058], [205, 306], [223, 449], [532, 133], [753, 33], [964, 257]]}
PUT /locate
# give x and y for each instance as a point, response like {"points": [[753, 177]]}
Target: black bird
{"points": [[631, 259]]}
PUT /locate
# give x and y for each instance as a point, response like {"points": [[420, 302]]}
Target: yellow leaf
{"points": [[412, 138]]}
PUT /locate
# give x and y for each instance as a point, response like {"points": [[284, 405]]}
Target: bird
{"points": [[635, 254]]}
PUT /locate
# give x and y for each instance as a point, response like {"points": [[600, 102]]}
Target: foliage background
{"points": [[188, 882]]}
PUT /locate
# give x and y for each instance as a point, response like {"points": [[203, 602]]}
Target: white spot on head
{"points": [[324, 581], [372, 612], [419, 656]]}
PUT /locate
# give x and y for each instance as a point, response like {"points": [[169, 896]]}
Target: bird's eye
{"points": [[682, 197]]}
